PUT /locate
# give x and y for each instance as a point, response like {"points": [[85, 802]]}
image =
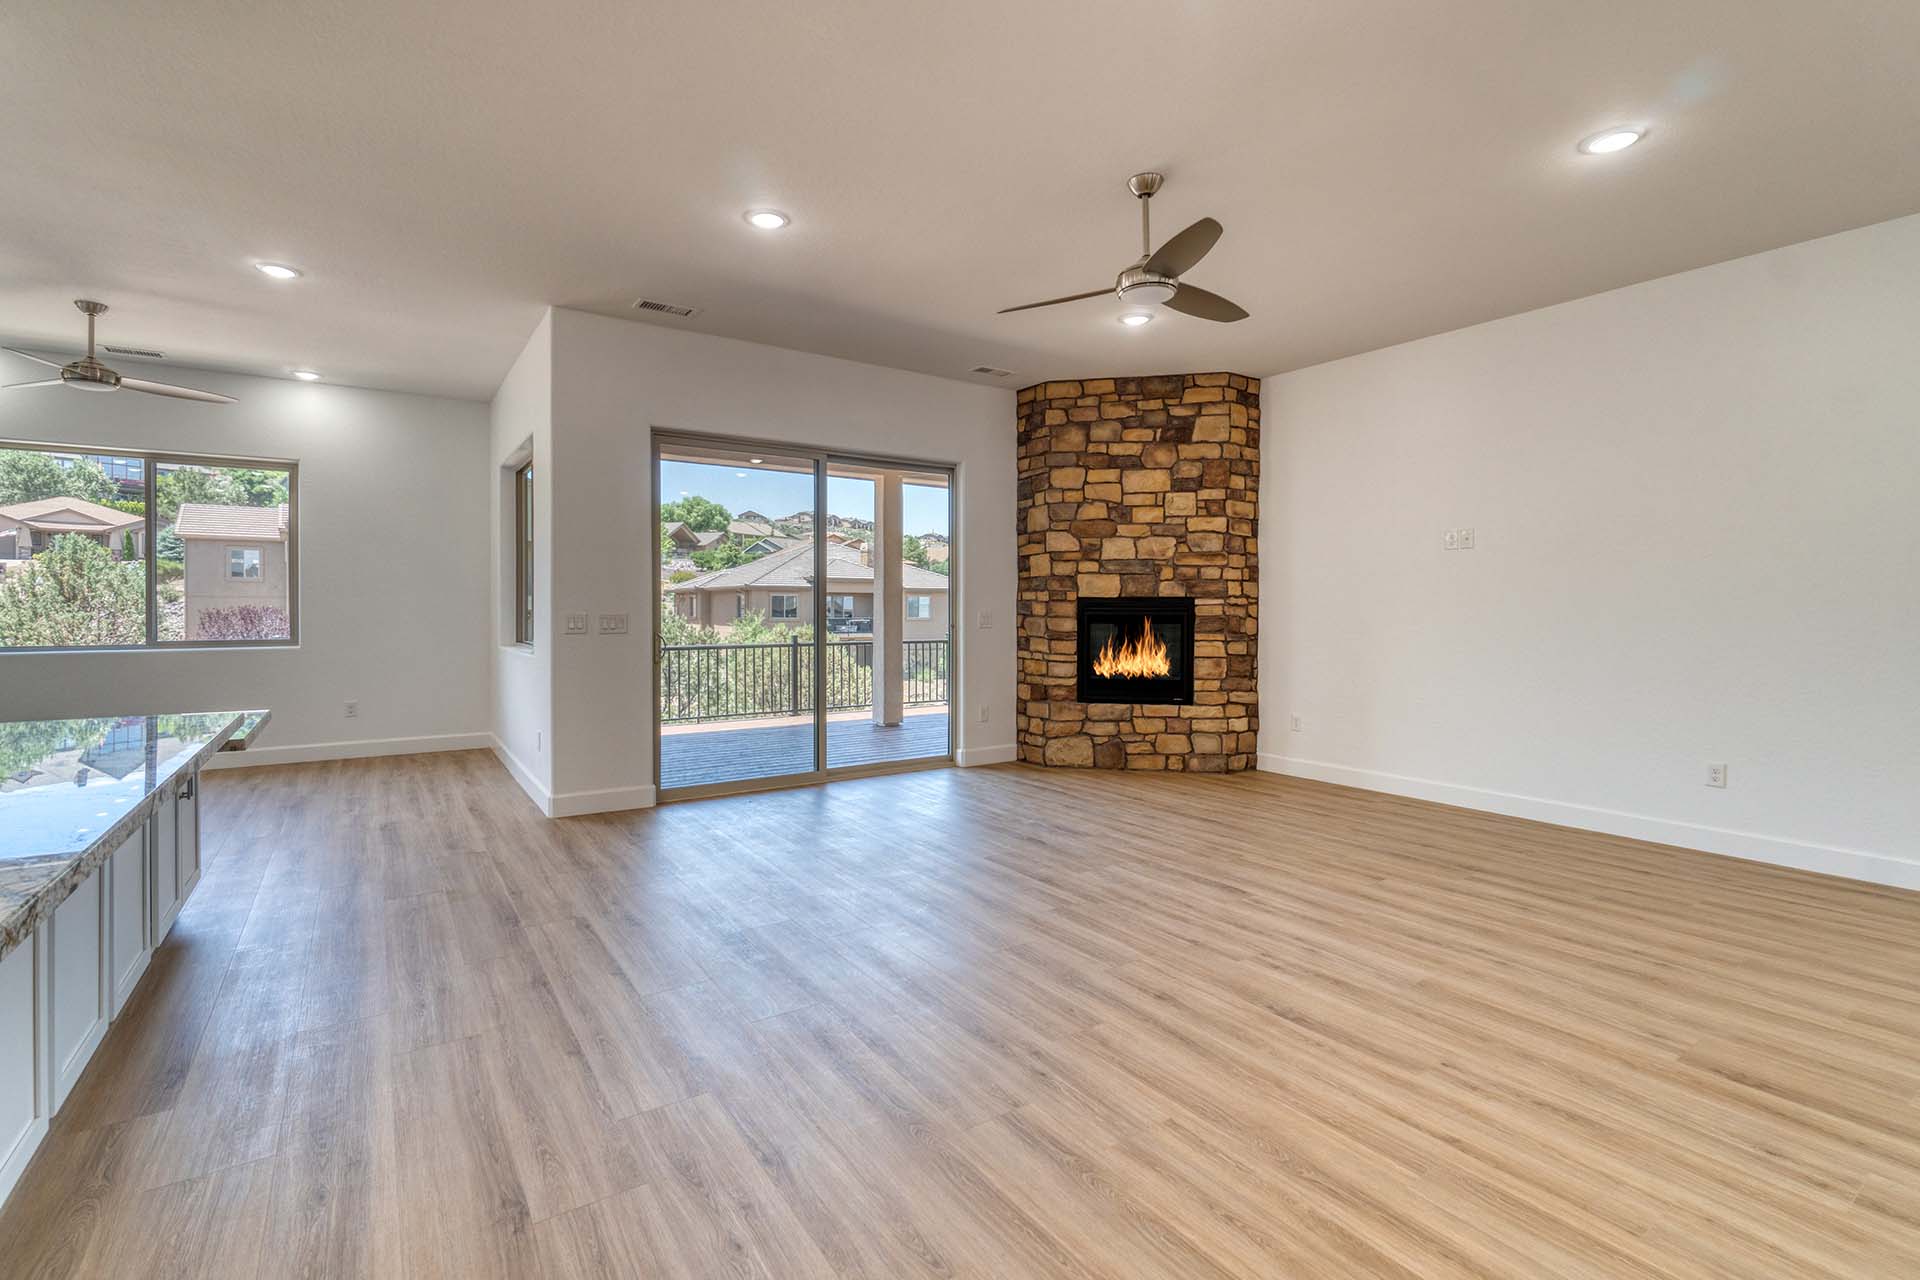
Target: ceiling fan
{"points": [[1154, 278], [88, 374]]}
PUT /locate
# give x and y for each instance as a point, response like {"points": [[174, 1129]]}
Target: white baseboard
{"points": [[357, 749], [572, 804], [1854, 864], [1005, 753], [522, 775]]}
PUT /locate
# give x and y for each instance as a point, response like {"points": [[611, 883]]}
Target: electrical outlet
{"points": [[1716, 775], [1466, 539], [1450, 540], [983, 713], [1297, 726], [353, 708]]}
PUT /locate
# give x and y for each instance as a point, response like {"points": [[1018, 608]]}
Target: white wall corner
{"points": [[524, 776]]}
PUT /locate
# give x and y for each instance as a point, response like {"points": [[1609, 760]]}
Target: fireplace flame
{"points": [[1143, 657]]}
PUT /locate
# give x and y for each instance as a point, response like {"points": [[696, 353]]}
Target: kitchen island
{"points": [[99, 848]]}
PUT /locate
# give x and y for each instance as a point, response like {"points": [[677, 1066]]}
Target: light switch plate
{"points": [[576, 624], [613, 624], [1450, 540]]}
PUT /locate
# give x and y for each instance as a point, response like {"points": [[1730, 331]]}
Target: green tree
{"points": [[182, 485], [681, 575], [703, 515], [170, 545], [915, 551], [73, 593], [256, 488], [126, 546], [724, 554], [27, 475]]}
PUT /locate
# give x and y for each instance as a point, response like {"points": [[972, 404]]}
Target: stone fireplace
{"points": [[1139, 572]]}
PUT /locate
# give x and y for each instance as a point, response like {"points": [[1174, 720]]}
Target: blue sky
{"points": [[780, 493]]}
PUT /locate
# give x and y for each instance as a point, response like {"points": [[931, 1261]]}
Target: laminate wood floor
{"points": [[984, 1023]]}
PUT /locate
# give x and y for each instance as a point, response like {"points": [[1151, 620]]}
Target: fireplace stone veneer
{"points": [[1139, 487]]}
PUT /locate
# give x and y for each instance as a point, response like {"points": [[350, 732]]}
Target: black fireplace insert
{"points": [[1136, 649]]}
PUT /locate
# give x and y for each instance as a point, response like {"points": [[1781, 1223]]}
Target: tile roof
{"points": [[205, 520], [794, 568], [78, 514]]}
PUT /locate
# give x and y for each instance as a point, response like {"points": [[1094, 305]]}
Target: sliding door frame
{"points": [[823, 460]]}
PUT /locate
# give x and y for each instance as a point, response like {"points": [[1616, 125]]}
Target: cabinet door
{"points": [[129, 929], [187, 829], [78, 1000], [23, 1107], [165, 867]]}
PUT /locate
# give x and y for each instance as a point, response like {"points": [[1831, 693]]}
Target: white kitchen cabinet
{"points": [[164, 865], [77, 999], [129, 928]]}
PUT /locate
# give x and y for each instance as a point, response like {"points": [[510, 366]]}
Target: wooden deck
{"points": [[727, 753]]}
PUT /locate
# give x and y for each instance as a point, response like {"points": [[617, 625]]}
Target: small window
{"points": [[739, 604], [785, 606], [243, 563], [919, 606], [523, 553]]}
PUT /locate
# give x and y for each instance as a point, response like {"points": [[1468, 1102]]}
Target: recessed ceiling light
{"points": [[1608, 141], [306, 375], [755, 461], [767, 219], [277, 270], [1134, 319]]}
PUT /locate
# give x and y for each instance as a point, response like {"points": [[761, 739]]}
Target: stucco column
{"points": [[889, 602]]}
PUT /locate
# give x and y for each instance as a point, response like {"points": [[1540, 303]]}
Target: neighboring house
{"points": [[684, 540], [234, 556], [750, 528], [753, 517], [779, 587], [27, 528], [937, 548]]}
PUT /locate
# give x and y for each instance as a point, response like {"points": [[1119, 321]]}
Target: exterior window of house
{"points": [[523, 554], [839, 606], [739, 604], [786, 606], [134, 550], [919, 606]]}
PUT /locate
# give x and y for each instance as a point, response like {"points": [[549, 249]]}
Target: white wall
{"points": [[393, 588], [522, 691], [613, 382], [1697, 514]]}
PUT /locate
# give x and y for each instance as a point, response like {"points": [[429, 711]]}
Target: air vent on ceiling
{"points": [[142, 352], [991, 371], [664, 308]]}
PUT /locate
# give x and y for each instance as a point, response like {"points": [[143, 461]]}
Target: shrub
{"points": [[73, 593], [243, 622]]}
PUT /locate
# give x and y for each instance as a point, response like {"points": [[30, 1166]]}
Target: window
{"points": [[839, 606], [103, 550], [785, 607], [523, 553], [919, 606]]}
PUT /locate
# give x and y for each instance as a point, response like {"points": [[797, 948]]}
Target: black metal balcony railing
{"points": [[742, 681]]}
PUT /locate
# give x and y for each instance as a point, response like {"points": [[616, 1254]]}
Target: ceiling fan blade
{"points": [[44, 382], [1072, 297], [178, 393], [1179, 255], [1195, 301], [51, 364]]}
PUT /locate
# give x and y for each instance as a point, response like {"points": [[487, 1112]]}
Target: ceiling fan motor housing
{"points": [[89, 375], [1139, 287]]}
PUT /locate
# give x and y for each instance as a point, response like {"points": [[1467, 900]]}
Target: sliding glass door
{"points": [[804, 629]]}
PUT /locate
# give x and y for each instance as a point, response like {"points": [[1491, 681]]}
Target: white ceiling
{"points": [[1384, 170]]}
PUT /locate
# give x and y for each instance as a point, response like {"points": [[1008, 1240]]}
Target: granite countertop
{"points": [[72, 791]]}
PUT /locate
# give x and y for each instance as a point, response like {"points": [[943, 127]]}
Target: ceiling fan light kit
{"points": [[88, 374], [1154, 278]]}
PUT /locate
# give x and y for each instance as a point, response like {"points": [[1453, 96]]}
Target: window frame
{"points": [[523, 533], [250, 558], [151, 461], [773, 606], [926, 614]]}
